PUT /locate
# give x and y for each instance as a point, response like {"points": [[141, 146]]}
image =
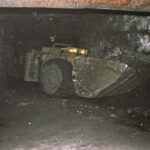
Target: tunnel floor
{"points": [[31, 120]]}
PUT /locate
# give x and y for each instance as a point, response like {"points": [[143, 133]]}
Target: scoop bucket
{"points": [[95, 78]]}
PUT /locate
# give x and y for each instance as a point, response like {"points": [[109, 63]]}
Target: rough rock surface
{"points": [[30, 120]]}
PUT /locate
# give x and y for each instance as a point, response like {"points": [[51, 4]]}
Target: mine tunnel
{"points": [[33, 119], [101, 32]]}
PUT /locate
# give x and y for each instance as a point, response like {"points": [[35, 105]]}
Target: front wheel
{"points": [[56, 78]]}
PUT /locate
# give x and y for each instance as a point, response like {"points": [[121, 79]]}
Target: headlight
{"points": [[83, 52], [75, 51], [70, 50]]}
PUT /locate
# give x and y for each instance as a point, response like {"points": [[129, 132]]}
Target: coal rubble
{"points": [[30, 119]]}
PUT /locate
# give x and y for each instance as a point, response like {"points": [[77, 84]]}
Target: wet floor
{"points": [[31, 120]]}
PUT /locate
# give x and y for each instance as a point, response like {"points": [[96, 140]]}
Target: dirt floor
{"points": [[32, 120]]}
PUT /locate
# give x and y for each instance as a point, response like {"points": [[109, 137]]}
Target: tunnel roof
{"points": [[131, 5]]}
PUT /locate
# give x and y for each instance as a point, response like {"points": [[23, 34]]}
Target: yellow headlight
{"points": [[70, 50], [73, 50], [83, 51]]}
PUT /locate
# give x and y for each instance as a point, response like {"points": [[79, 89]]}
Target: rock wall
{"points": [[103, 34], [2, 65]]}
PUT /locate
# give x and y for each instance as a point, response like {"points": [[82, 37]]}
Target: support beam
{"points": [[132, 5]]}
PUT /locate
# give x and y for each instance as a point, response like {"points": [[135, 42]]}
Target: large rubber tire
{"points": [[56, 78]]}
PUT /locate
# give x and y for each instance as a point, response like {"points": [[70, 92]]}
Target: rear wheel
{"points": [[56, 78]]}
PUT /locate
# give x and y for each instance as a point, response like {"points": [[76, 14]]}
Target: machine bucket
{"points": [[94, 78]]}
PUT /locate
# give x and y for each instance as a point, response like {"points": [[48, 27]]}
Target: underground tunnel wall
{"points": [[101, 33]]}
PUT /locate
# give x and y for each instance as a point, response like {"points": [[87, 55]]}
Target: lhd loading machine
{"points": [[64, 70]]}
